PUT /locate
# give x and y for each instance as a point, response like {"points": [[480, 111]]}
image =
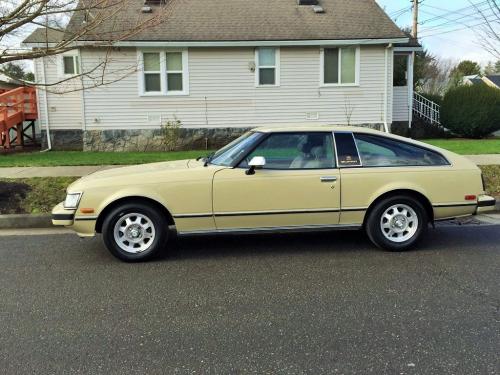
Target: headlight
{"points": [[72, 200]]}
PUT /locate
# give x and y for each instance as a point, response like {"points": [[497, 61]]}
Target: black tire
{"points": [[374, 230], [158, 221]]}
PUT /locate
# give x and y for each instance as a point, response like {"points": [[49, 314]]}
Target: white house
{"points": [[223, 66]]}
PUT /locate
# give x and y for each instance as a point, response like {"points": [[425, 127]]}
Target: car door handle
{"points": [[328, 179]]}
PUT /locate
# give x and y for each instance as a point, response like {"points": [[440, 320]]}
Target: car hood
{"points": [[135, 173]]}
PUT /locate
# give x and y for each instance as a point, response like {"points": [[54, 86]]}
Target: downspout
{"points": [[84, 117], [46, 105], [386, 87], [411, 64]]}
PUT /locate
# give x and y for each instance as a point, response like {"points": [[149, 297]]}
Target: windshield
{"points": [[230, 153]]}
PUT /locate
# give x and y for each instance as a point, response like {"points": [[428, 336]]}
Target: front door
{"points": [[299, 186]]}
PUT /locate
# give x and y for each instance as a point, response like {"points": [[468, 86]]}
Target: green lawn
{"points": [[468, 146], [54, 158], [68, 158]]}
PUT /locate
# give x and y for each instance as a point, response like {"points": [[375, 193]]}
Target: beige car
{"points": [[279, 179]]}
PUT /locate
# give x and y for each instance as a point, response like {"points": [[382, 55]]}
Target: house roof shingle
{"points": [[249, 20], [44, 35]]}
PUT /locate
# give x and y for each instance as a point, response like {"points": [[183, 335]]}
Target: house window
{"points": [[71, 65], [340, 66], [164, 73], [267, 66], [152, 72], [174, 71], [400, 73]]}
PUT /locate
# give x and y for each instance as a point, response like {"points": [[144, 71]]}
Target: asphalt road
{"points": [[315, 303]]}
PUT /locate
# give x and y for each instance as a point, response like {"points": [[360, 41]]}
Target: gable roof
{"points": [[249, 20], [44, 35]]}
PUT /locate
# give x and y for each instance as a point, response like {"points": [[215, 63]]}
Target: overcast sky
{"points": [[440, 21]]}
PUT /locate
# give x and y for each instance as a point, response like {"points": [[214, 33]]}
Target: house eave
{"points": [[408, 49], [245, 43]]}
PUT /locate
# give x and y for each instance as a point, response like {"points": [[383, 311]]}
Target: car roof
{"points": [[316, 128]]}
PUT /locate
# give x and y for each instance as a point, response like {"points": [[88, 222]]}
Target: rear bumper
{"points": [[485, 203]]}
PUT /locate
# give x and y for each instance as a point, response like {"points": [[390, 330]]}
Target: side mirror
{"points": [[257, 162]]}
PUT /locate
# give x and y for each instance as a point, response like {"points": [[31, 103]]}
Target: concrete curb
{"points": [[25, 221]]}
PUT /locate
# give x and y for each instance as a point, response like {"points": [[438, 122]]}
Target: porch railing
{"points": [[426, 109]]}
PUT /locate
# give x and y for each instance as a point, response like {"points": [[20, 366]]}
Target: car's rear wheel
{"points": [[397, 223], [135, 231]]}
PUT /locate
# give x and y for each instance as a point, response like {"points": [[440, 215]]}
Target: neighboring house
{"points": [[472, 80], [492, 80], [7, 83], [223, 66]]}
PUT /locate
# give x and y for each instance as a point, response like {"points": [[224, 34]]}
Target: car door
{"points": [[299, 186]]}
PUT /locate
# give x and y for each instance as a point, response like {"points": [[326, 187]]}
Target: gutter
{"points": [[230, 43], [386, 89]]}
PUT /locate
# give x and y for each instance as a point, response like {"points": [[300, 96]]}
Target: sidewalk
{"points": [[75, 171], [78, 171], [486, 159]]}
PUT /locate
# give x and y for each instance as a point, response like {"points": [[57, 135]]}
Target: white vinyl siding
{"points": [[222, 92], [400, 104], [64, 101]]}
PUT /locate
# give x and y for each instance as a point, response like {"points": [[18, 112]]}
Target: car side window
{"points": [[347, 152], [301, 150], [377, 151]]}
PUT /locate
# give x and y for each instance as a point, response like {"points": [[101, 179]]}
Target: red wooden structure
{"points": [[16, 107]]}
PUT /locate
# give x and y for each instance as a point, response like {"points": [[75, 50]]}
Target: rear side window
{"points": [[376, 151], [347, 152]]}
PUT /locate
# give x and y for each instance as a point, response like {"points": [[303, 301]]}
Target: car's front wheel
{"points": [[135, 231], [397, 223]]}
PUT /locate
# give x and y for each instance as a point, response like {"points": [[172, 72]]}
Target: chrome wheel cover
{"points": [[399, 223], [134, 233]]}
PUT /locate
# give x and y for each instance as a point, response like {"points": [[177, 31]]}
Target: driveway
{"points": [[308, 303]]}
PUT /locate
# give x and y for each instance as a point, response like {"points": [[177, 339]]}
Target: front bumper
{"points": [[62, 216], [84, 226], [485, 203]]}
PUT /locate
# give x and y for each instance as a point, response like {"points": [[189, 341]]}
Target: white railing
{"points": [[426, 109]]}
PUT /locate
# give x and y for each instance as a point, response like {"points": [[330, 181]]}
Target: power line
{"points": [[461, 28], [442, 16], [451, 22]]}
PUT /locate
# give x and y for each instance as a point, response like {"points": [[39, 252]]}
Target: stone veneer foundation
{"points": [[145, 140]]}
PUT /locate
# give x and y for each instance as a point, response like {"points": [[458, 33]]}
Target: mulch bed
{"points": [[12, 195]]}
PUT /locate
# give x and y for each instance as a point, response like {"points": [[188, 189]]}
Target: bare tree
{"points": [[348, 109], [489, 30], [69, 24]]}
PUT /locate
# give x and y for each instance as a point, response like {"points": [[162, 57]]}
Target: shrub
{"points": [[171, 132], [471, 111], [436, 98]]}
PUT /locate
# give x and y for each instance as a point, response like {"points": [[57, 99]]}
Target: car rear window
{"points": [[378, 151]]}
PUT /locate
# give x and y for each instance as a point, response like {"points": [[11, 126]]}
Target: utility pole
{"points": [[414, 30]]}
